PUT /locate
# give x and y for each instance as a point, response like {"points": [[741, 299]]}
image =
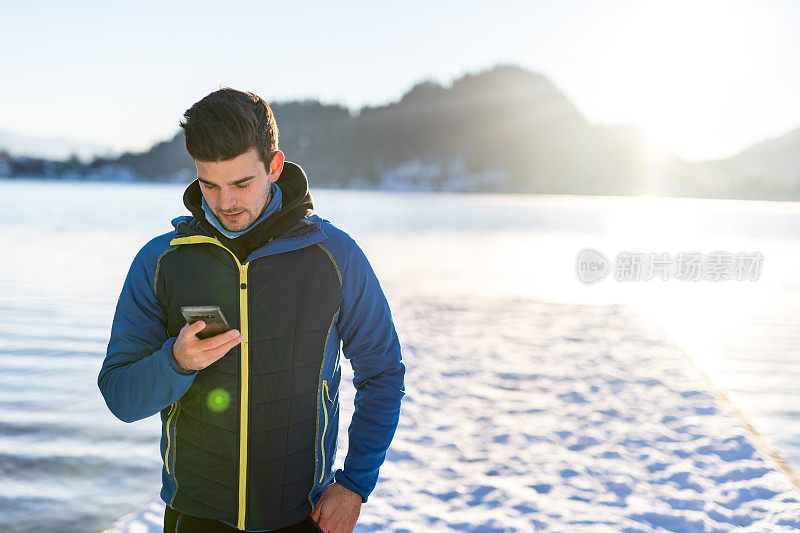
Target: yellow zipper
{"points": [[243, 403], [172, 409], [244, 372], [325, 392]]}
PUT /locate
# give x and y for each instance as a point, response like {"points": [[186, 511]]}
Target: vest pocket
{"points": [[326, 399]]}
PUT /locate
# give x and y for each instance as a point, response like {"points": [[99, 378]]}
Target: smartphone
{"points": [[211, 315]]}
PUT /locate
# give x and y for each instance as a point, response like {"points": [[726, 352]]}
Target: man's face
{"points": [[237, 190]]}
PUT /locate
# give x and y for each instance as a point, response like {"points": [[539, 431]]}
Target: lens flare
{"points": [[218, 400]]}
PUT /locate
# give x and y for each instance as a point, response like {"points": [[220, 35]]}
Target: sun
{"points": [[679, 71]]}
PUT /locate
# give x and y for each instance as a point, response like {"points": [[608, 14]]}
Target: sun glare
{"points": [[678, 68]]}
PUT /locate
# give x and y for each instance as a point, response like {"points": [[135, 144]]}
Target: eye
{"points": [[207, 186], [245, 185]]}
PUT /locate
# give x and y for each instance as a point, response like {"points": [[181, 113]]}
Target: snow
{"points": [[525, 415]]}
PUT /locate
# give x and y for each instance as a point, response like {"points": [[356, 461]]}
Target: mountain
{"points": [[504, 129], [768, 168]]}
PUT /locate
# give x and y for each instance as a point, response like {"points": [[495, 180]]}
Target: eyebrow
{"points": [[237, 182]]}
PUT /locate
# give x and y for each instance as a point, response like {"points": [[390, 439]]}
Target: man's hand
{"points": [[193, 353], [337, 509]]}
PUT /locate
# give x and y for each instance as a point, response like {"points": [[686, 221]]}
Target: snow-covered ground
{"points": [[523, 415]]}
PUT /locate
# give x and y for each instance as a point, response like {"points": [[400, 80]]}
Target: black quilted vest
{"points": [[244, 437]]}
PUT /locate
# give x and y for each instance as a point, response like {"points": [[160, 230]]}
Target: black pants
{"points": [[175, 522]]}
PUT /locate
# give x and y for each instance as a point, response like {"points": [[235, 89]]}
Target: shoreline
{"points": [[782, 201], [760, 439]]}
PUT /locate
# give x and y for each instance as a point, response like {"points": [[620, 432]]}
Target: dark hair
{"points": [[227, 123]]}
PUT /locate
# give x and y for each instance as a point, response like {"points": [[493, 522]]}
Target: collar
{"points": [[296, 203]]}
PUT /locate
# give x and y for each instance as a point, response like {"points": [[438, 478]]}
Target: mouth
{"points": [[233, 216]]}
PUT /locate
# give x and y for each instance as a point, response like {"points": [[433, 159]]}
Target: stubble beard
{"points": [[246, 213]]}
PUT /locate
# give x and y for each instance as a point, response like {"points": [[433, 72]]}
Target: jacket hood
{"points": [[297, 204]]}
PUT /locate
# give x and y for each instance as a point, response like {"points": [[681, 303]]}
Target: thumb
{"points": [[197, 327]]}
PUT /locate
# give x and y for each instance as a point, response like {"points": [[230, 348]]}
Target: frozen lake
{"points": [[66, 248]]}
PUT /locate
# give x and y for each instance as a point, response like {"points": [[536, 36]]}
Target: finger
{"points": [[188, 331], [195, 327], [224, 348], [216, 341]]}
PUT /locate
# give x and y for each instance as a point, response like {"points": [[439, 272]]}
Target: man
{"points": [[250, 417]]}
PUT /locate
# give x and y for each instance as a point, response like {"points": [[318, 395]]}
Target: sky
{"points": [[704, 79]]}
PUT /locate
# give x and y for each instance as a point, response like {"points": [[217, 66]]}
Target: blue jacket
{"points": [[139, 376]]}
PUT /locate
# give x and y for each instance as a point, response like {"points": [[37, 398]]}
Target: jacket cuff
{"points": [[169, 359], [341, 479]]}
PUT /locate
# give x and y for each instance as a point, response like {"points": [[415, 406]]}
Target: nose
{"points": [[227, 200]]}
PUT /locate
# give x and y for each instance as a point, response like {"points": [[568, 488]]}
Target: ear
{"points": [[276, 166]]}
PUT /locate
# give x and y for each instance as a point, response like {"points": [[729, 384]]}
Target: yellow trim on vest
{"points": [[172, 409], [335, 264], [174, 450], [325, 392], [194, 239], [320, 388], [244, 372], [158, 266]]}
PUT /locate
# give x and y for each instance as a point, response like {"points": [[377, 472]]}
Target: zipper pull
{"points": [[326, 391]]}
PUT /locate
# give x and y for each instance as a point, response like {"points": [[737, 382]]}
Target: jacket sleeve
{"points": [[139, 376], [370, 342]]}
